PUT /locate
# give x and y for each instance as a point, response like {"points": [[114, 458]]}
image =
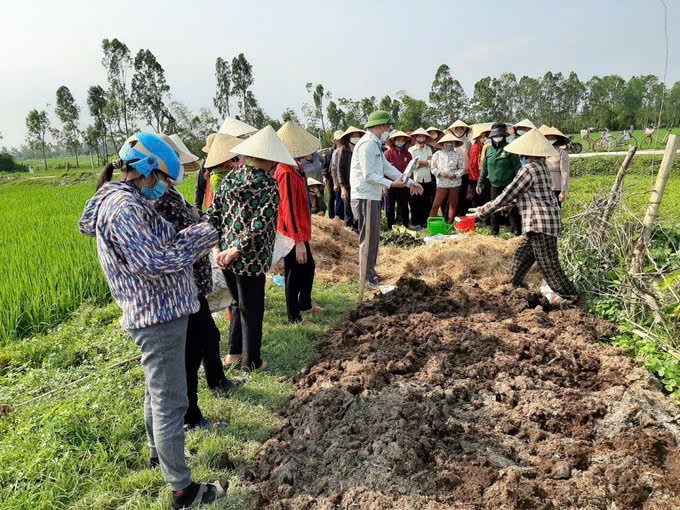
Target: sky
{"points": [[354, 48]]}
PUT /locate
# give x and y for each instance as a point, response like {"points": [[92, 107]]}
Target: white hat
{"points": [[208, 142], [265, 144], [526, 123], [533, 143], [180, 144], [450, 137], [185, 157], [298, 141], [459, 124], [235, 127], [221, 149]]}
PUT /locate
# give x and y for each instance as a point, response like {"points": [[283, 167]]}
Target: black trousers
{"points": [[421, 204], [541, 249], [497, 218], [331, 198], [463, 202], [396, 205], [247, 314], [557, 196], [203, 344], [299, 283], [349, 215]]}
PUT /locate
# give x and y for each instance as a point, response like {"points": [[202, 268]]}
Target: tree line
{"points": [[137, 95]]}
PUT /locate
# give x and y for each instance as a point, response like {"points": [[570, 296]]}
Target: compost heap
{"points": [[461, 396]]}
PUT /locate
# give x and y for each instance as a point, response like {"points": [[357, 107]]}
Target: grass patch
{"points": [[84, 446]]}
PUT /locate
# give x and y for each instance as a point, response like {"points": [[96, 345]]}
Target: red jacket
{"points": [[475, 154], [399, 158], [295, 216]]}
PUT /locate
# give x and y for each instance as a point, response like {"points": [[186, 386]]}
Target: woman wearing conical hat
{"points": [[531, 189], [397, 200], [421, 204], [203, 192], [339, 207], [349, 139], [295, 222], [448, 167], [560, 166], [245, 214], [461, 130]]}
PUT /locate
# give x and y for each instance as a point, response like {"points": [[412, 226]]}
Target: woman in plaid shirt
{"points": [[531, 190]]}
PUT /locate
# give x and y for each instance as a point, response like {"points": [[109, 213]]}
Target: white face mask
{"points": [[421, 139], [354, 140], [385, 136], [520, 132], [447, 146], [497, 139], [400, 144]]}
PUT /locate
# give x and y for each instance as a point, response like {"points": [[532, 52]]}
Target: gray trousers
{"points": [[368, 241], [165, 396]]}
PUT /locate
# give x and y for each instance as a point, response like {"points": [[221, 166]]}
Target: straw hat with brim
{"points": [[450, 138], [421, 132], [221, 149], [378, 118], [350, 131], [184, 157], [398, 134], [533, 143], [179, 143], [313, 182], [235, 127], [337, 135], [208, 143], [526, 124], [479, 129], [543, 128], [298, 141], [192, 167], [437, 130], [554, 132], [459, 124], [266, 144]]}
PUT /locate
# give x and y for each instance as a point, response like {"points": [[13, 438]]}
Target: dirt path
{"points": [[463, 396]]}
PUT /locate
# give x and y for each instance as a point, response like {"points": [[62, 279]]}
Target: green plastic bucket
{"points": [[437, 225]]}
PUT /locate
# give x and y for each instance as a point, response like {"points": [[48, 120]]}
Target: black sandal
{"points": [[197, 494]]}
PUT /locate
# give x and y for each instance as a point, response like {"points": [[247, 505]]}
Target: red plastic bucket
{"points": [[466, 224]]}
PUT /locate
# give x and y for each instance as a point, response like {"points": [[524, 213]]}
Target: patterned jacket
{"points": [[245, 213], [532, 189], [146, 262], [173, 208], [451, 162]]}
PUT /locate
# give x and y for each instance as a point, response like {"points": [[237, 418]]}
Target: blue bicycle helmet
{"points": [[146, 152]]}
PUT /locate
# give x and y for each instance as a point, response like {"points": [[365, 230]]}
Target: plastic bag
{"points": [[220, 298], [282, 247]]}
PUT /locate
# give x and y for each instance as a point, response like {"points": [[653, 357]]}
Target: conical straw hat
{"points": [[533, 143], [526, 123], [350, 131], [555, 132], [298, 141], [397, 134], [192, 167], [184, 157], [421, 132], [450, 137], [208, 143], [265, 144], [432, 128], [221, 149], [179, 143], [235, 127], [543, 129], [458, 123], [479, 129], [337, 135]]}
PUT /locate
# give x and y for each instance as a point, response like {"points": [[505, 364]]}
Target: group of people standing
{"points": [[160, 254]]}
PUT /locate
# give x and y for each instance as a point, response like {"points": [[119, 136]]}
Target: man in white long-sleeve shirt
{"points": [[370, 173]]}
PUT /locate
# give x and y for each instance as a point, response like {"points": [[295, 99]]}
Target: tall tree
{"points": [[415, 114], [528, 95], [391, 106], [289, 115], [96, 103], [38, 125], [447, 98], [118, 64], [223, 76], [573, 94], [484, 101], [242, 79], [352, 112], [68, 112], [150, 90], [336, 117], [318, 97]]}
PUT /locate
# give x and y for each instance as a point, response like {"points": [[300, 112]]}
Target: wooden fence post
{"points": [[618, 183]]}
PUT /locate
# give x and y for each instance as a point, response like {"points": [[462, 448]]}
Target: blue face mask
{"points": [[157, 191], [523, 160]]}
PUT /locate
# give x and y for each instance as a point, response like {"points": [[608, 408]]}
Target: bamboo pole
{"points": [[654, 202], [618, 183], [363, 262]]}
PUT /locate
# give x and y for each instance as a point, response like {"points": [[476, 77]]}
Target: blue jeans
{"points": [[165, 396]]}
